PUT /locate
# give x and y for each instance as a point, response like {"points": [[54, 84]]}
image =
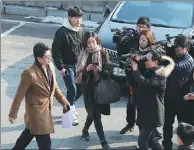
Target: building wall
{"points": [[88, 6]]}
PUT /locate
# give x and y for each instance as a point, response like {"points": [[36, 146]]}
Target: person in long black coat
{"points": [[149, 98], [92, 65]]}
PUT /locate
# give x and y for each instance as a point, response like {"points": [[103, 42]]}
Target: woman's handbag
{"points": [[106, 91]]}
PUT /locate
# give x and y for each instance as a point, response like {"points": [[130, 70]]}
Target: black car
{"points": [[167, 17]]}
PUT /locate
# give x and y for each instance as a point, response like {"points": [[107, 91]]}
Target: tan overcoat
{"points": [[38, 100]]}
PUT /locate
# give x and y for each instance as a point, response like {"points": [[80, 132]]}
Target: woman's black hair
{"points": [[89, 34]]}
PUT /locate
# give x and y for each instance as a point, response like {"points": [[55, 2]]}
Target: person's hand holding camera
{"points": [[134, 66]]}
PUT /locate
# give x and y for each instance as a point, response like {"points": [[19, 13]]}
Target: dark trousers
{"points": [[73, 90], [171, 111], [131, 112], [96, 117], [187, 112], [44, 141], [147, 139]]}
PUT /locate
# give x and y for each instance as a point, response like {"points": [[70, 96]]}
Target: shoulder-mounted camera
{"points": [[123, 35]]}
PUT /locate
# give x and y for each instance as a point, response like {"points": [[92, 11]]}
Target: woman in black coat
{"points": [[92, 65]]}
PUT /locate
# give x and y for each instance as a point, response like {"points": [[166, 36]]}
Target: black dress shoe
{"points": [[85, 135], [105, 145], [126, 129]]}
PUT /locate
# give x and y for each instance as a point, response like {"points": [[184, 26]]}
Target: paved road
{"points": [[16, 54]]}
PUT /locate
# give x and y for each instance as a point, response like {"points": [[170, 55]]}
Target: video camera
{"points": [[124, 38], [129, 58], [167, 43], [169, 46], [138, 57], [123, 35]]}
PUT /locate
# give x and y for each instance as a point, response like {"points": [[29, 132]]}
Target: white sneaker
{"points": [[75, 121], [76, 113]]}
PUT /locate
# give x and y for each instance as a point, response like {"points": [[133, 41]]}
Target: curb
{"points": [[44, 12]]}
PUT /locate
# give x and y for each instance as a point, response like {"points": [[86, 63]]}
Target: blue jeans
{"points": [[73, 89]]}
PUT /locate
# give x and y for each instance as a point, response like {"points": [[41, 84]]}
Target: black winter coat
{"points": [[178, 79], [149, 97], [88, 84], [187, 106], [66, 47]]}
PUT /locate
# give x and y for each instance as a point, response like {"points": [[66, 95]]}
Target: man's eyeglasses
{"points": [[47, 56]]}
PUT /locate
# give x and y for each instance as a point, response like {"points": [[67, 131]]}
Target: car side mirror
{"points": [[106, 11]]}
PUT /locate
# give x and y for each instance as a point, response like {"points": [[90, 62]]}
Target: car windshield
{"points": [[164, 14]]}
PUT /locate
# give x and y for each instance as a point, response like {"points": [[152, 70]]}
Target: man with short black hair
{"points": [[176, 90], [185, 136], [38, 85], [143, 24], [66, 47], [149, 97]]}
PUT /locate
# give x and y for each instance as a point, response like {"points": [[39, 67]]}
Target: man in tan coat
{"points": [[38, 85]]}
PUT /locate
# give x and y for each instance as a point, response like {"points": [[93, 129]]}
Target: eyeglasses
{"points": [[47, 56]]}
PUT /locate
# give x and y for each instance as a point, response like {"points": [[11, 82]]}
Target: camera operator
{"points": [[149, 97], [175, 87], [187, 110], [124, 46], [143, 24]]}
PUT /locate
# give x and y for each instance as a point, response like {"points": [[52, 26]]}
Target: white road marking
{"points": [[12, 29], [35, 23]]}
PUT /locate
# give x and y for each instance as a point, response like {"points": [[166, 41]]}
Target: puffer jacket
{"points": [[179, 77]]}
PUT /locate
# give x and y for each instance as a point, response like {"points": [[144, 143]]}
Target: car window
{"points": [[169, 14]]}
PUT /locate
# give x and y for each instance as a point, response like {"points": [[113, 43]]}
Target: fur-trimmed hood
{"points": [[68, 25], [165, 71]]}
